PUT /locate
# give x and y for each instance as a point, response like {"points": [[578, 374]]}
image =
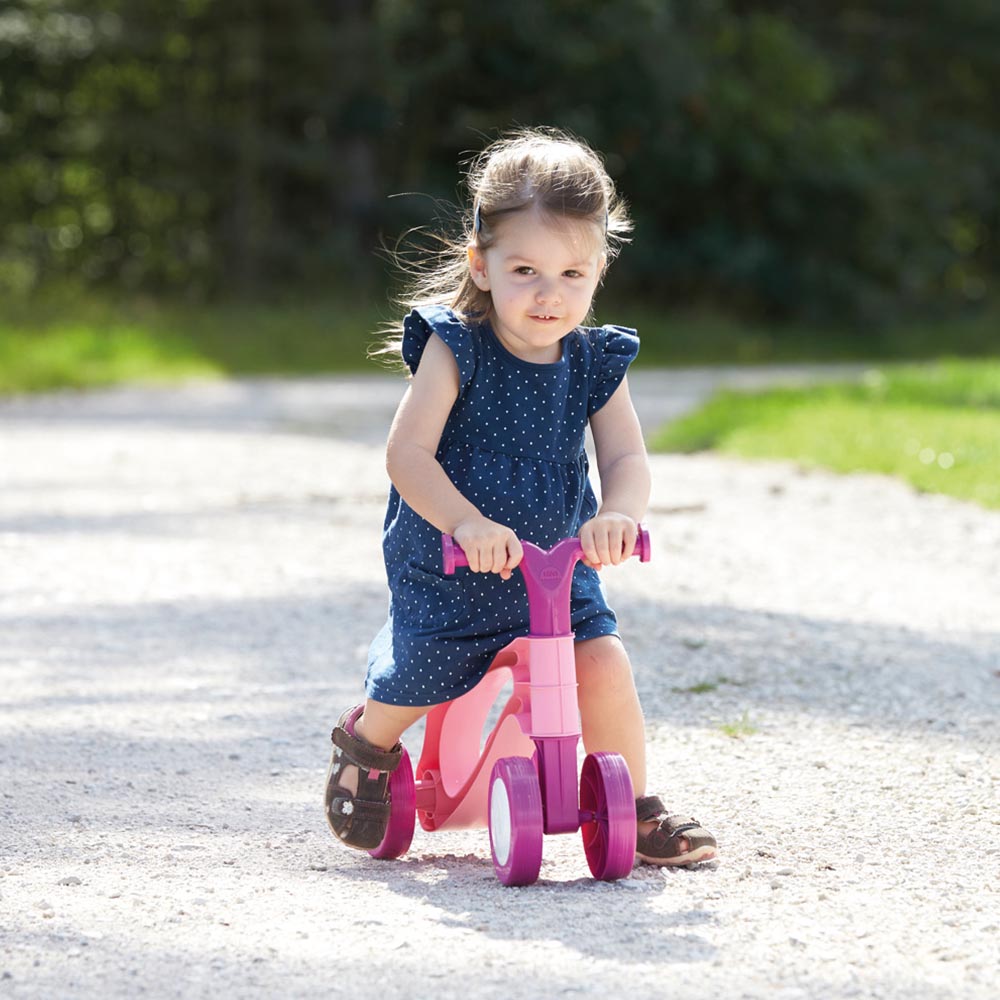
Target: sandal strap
{"points": [[676, 825], [649, 807], [361, 810], [363, 754]]}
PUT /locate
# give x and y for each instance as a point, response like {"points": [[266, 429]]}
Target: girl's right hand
{"points": [[490, 547]]}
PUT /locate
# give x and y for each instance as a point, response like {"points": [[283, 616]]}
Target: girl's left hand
{"points": [[608, 539]]}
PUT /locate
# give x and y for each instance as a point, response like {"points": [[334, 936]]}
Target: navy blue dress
{"points": [[514, 446]]}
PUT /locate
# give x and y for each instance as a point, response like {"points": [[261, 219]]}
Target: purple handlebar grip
{"points": [[643, 547], [452, 554]]}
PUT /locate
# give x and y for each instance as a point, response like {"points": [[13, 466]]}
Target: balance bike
{"points": [[522, 781]]}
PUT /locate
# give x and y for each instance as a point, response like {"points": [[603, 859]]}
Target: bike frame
{"points": [[540, 719]]}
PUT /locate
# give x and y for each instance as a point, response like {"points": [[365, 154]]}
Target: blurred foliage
{"points": [[811, 161]]}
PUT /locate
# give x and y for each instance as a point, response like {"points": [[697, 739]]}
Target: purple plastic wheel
{"points": [[515, 821], [609, 824], [402, 812]]}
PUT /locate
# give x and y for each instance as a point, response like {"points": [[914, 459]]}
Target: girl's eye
{"points": [[523, 269], [573, 274]]}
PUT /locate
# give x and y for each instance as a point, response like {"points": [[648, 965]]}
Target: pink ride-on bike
{"points": [[522, 782]]}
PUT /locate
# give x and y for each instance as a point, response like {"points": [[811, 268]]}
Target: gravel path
{"points": [[188, 582]]}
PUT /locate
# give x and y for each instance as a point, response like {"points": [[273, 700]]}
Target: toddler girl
{"points": [[488, 445]]}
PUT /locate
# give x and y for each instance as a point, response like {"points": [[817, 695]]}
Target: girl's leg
{"points": [[365, 754], [610, 713], [612, 720], [381, 725]]}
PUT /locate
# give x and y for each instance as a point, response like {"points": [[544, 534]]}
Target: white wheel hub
{"points": [[500, 822]]}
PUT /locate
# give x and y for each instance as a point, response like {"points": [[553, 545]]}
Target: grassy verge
{"points": [[90, 342], [936, 426], [77, 340], [703, 338]]}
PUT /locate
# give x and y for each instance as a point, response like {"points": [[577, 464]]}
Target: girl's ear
{"points": [[477, 268]]}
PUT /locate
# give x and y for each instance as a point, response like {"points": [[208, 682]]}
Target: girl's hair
{"points": [[545, 169]]}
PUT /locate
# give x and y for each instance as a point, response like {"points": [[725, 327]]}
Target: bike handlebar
{"points": [[453, 555]]}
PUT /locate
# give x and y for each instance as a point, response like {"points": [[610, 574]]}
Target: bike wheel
{"points": [[402, 812], [515, 821], [609, 831]]}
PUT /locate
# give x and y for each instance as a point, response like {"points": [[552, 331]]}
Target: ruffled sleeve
{"points": [[421, 323], [616, 348]]}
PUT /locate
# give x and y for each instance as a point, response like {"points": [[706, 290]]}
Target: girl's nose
{"points": [[548, 292]]}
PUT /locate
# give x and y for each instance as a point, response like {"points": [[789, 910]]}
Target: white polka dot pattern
{"points": [[514, 445]]}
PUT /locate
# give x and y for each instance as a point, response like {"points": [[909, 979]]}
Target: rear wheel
{"points": [[515, 821]]}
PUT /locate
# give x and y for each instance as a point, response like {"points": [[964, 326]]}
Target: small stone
{"points": [[785, 871], [317, 868], [776, 883], [70, 880]]}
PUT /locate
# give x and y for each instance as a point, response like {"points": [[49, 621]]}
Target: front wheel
{"points": [[608, 807], [515, 821], [402, 812]]}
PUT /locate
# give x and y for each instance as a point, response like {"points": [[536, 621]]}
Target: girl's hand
{"points": [[489, 546], [608, 539]]}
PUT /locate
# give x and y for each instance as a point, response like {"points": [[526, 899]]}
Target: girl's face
{"points": [[541, 275]]}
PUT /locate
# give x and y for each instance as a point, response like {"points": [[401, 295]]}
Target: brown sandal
{"points": [[359, 818], [677, 840]]}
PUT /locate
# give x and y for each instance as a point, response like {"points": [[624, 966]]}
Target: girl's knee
{"points": [[602, 662]]}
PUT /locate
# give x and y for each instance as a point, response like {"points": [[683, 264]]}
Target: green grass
{"points": [[78, 356], [704, 687], [83, 342], [740, 728], [70, 338], [675, 338], [937, 426]]}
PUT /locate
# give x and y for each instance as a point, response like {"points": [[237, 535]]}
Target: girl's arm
{"points": [[413, 467], [625, 481]]}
